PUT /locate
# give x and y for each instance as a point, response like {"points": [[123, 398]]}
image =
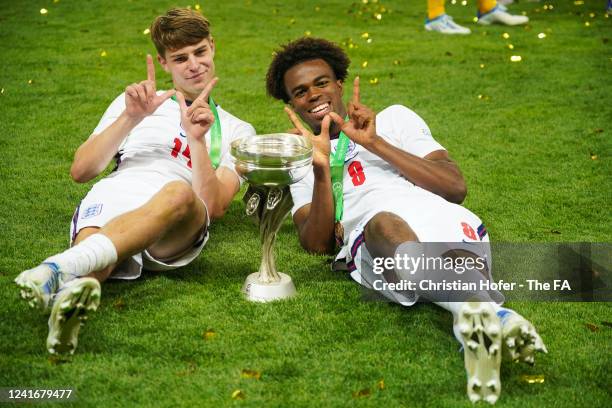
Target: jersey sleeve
{"points": [[301, 192], [115, 110], [405, 129], [242, 130]]}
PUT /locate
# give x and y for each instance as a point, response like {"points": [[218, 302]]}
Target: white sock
{"points": [[94, 253]]}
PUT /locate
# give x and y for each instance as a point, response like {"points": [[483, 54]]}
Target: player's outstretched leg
{"points": [[480, 332], [71, 305], [520, 341], [38, 285]]}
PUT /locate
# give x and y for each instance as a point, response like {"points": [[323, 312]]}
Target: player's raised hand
{"points": [[197, 118], [141, 99], [320, 143], [361, 126]]}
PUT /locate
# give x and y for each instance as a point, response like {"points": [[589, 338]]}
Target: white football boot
{"points": [[444, 24], [481, 333], [38, 285], [520, 341], [71, 304], [499, 16]]}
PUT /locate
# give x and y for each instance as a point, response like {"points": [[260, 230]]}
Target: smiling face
{"points": [[191, 67], [313, 92]]}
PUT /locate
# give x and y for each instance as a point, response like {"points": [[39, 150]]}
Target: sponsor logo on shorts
{"points": [[91, 211]]}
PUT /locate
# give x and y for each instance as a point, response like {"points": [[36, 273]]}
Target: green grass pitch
{"points": [[532, 138]]}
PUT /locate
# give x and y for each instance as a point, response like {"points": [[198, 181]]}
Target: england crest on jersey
{"points": [[351, 150], [91, 211]]}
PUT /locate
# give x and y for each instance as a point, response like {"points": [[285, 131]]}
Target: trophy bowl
{"points": [[272, 160]]}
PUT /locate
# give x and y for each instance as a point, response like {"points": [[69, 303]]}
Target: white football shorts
{"points": [[433, 219], [118, 194]]}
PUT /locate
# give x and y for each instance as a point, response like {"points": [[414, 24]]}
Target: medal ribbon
{"points": [[215, 134], [336, 163]]}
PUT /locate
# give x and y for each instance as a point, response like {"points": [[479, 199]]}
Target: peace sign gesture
{"points": [[361, 126], [320, 143], [141, 99], [198, 117]]}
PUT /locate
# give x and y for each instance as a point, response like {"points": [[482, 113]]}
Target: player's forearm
{"points": [[441, 177], [317, 232], [204, 179], [92, 157]]}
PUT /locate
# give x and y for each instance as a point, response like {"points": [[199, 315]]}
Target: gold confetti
{"points": [[532, 379], [191, 368], [369, 41], [238, 395], [374, 81], [397, 62], [483, 97], [378, 16], [541, 35], [364, 1], [482, 65], [197, 7], [587, 24], [43, 11], [505, 36], [464, 3], [578, 3], [209, 334], [246, 373], [292, 21], [362, 393], [58, 359], [56, 1], [592, 15], [30, 81], [381, 384], [103, 54], [511, 46], [524, 13], [2, 91], [593, 157], [119, 304], [307, 33], [475, 19], [454, 2], [365, 35], [317, 8], [364, 64], [516, 58], [146, 31]]}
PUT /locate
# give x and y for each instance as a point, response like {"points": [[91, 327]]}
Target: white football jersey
{"points": [[370, 183], [159, 143]]}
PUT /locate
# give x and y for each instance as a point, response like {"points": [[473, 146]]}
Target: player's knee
{"points": [[389, 227], [180, 198]]}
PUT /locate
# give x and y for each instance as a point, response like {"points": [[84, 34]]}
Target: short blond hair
{"points": [[178, 28]]}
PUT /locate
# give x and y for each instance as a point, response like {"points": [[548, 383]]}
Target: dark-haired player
{"points": [[383, 183]]}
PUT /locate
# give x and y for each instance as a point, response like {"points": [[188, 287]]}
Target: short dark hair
{"points": [[301, 50], [178, 28]]}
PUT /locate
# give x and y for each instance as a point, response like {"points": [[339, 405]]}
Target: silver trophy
{"points": [[270, 163]]}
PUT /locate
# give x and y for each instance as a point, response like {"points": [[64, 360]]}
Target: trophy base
{"points": [[257, 291]]}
